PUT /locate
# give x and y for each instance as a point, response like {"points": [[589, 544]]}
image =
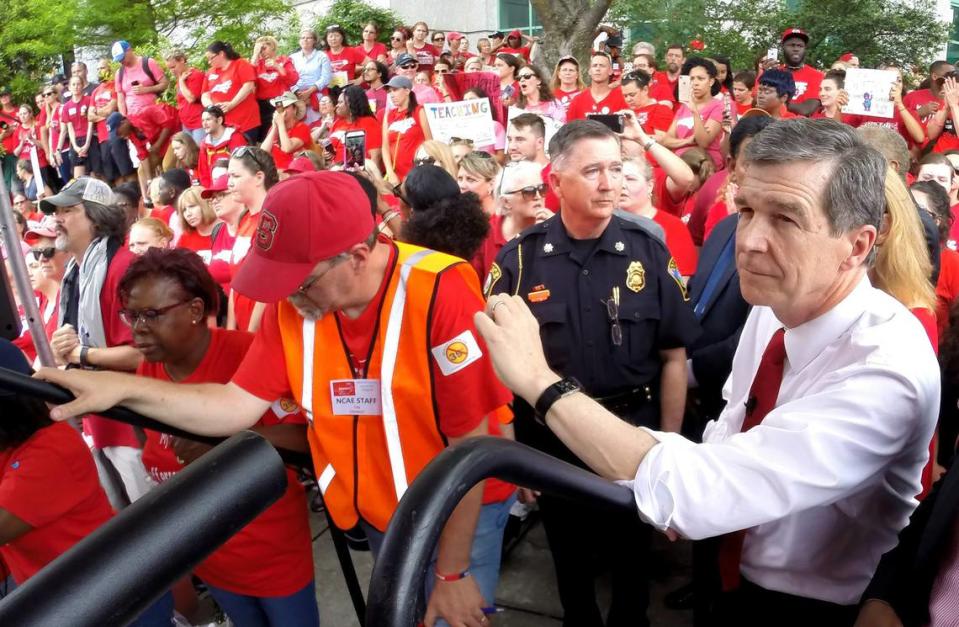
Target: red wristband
{"points": [[456, 577]]}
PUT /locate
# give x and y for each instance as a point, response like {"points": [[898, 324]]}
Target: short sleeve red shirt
{"points": [[662, 89], [75, 113], [299, 131], [369, 125], [102, 96], [807, 79], [426, 57], [377, 51], [223, 85], [565, 97], [49, 482], [346, 60], [679, 242], [269, 83], [654, 117], [10, 119], [661, 196], [584, 104], [404, 136], [190, 113], [271, 556]]}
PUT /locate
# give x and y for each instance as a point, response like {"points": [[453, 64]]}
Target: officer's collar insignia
{"points": [[635, 276], [547, 248], [619, 246]]}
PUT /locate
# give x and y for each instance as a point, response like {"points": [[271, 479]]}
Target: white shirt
{"points": [[829, 477]]}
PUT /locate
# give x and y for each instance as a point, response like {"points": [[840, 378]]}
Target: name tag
{"points": [[352, 397]]}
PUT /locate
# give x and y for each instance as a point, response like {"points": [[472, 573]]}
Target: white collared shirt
{"points": [[829, 477]]}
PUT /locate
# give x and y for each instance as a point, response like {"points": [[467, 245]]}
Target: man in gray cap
{"points": [[406, 67], [91, 334]]}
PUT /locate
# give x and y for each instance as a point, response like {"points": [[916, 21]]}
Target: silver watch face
{"points": [[567, 386]]}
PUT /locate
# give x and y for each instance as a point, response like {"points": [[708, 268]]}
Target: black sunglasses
{"points": [[398, 192], [424, 161], [244, 151], [409, 66], [615, 330], [46, 252], [530, 192], [525, 77]]}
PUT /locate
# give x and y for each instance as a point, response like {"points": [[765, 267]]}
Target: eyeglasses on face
{"points": [[131, 317], [47, 94], [311, 280], [424, 161], [408, 66], [525, 76], [530, 192], [46, 252]]}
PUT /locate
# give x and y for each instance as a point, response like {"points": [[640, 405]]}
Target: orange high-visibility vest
{"points": [[365, 463]]}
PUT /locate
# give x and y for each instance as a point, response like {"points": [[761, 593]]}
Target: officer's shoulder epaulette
{"points": [[533, 232]]}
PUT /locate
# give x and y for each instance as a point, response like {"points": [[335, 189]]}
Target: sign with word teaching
{"points": [[468, 119], [869, 92]]}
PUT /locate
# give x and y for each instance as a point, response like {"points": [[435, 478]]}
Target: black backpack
{"points": [[145, 62]]}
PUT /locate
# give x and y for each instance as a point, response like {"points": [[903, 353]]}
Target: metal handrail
{"points": [[396, 588], [112, 575]]}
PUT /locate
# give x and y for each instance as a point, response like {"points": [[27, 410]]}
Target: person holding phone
{"points": [[288, 134], [699, 119], [353, 113]]}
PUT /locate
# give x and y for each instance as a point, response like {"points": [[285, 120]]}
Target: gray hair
{"points": [[571, 133], [107, 220], [854, 195], [889, 143]]}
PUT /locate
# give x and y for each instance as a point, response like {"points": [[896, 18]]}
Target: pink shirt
{"points": [[713, 110], [136, 103]]}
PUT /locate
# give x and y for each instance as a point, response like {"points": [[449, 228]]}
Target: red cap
{"points": [[47, 227], [795, 32], [305, 219], [515, 33], [847, 57], [300, 165], [221, 184], [454, 36]]}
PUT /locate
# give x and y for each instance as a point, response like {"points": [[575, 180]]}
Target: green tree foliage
{"points": [[190, 24], [33, 36], [352, 15], [876, 30]]}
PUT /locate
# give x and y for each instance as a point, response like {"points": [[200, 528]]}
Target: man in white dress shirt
{"points": [[826, 479]]}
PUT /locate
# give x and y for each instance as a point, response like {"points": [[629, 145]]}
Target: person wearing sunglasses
{"points": [[398, 41], [535, 95], [612, 314], [49, 266], [267, 568], [439, 40], [325, 272]]}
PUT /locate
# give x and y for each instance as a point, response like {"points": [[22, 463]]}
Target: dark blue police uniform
{"points": [[605, 307]]}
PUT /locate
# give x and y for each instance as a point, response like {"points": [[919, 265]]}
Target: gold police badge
{"points": [[635, 276]]}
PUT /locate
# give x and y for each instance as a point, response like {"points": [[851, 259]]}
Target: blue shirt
{"points": [[315, 70]]}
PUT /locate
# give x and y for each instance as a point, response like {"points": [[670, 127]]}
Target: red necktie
{"points": [[761, 401]]}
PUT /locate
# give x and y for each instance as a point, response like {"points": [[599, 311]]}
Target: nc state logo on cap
{"points": [[266, 230]]}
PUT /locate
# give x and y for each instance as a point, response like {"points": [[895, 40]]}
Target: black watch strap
{"points": [[563, 387]]}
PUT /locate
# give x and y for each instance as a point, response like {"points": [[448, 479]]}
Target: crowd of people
{"points": [[708, 282]]}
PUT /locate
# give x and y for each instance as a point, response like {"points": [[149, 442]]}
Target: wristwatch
{"points": [[652, 142], [563, 387]]}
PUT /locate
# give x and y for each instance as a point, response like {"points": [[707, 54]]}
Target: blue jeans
{"points": [[297, 609], [485, 554]]}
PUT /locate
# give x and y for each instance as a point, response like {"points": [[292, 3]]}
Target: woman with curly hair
{"points": [[535, 96], [438, 216], [353, 113], [698, 122]]}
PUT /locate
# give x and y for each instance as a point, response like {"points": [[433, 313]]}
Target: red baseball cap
{"points": [[47, 227], [221, 184], [305, 219], [795, 32], [300, 165]]}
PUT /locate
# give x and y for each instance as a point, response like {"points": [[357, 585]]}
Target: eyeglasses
{"points": [[530, 192], [408, 66], [435, 39], [47, 252], [454, 141], [424, 161], [148, 316], [612, 310], [396, 38], [311, 281], [525, 77], [244, 151], [441, 71]]}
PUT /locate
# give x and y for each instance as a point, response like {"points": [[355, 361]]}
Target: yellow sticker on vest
{"points": [[456, 354]]}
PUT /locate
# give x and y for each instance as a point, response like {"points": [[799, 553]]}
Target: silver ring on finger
{"points": [[495, 305]]}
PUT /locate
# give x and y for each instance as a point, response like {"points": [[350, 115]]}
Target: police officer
{"points": [[615, 320]]}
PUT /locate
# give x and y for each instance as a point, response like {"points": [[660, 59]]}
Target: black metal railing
{"points": [[112, 575], [395, 597]]}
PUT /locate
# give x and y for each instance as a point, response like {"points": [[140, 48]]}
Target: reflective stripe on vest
{"points": [[390, 349]]}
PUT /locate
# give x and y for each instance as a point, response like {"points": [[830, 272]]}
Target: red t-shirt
{"points": [[50, 482], [517, 52], [807, 80], [947, 287], [377, 50], [654, 117], [215, 252], [426, 57], [191, 112], [915, 99], [679, 242], [10, 119], [584, 103], [404, 136], [299, 131], [269, 83], [372, 128], [223, 85], [462, 399], [152, 119], [346, 60], [75, 113], [51, 122], [162, 213], [242, 305], [565, 97], [483, 260], [662, 199], [102, 96], [272, 555], [32, 135], [662, 89]]}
